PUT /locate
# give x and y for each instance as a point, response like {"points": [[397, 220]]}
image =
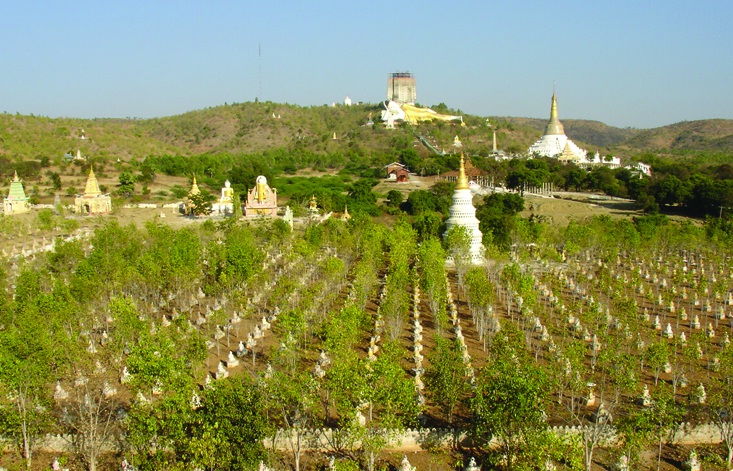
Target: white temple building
{"points": [[554, 142], [463, 213]]}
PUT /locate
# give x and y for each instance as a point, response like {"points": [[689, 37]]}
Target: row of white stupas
{"points": [[554, 143]]}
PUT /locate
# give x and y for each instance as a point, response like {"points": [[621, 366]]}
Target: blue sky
{"points": [[626, 63]]}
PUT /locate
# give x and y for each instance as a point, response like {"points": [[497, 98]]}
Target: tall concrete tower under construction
{"points": [[401, 88]]}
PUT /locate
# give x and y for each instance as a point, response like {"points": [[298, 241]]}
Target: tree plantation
{"points": [[226, 345]]}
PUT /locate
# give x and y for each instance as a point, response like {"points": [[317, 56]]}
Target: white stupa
{"points": [[554, 143], [463, 213]]}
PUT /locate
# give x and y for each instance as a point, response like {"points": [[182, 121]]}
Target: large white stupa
{"points": [[463, 213], [554, 143]]}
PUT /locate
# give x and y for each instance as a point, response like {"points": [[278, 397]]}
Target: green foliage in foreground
{"points": [[224, 431]]}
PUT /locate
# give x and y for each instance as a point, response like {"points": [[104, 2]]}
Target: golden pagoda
{"points": [[187, 206], [194, 188], [92, 201]]}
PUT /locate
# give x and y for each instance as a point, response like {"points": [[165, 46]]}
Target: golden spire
{"points": [[92, 188], [553, 109], [15, 178], [554, 126], [462, 180], [194, 187]]}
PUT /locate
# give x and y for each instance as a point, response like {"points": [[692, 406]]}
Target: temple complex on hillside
{"points": [[261, 200], [554, 142], [463, 213], [92, 201], [16, 202]]}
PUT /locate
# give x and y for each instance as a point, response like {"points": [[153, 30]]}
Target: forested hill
{"points": [[707, 135], [256, 127]]}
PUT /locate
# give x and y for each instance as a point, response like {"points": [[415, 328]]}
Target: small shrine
{"points": [[261, 200], [187, 206], [16, 202], [225, 204], [92, 201], [288, 217], [313, 206]]}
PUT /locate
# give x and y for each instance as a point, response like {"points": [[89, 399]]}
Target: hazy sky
{"points": [[640, 63]]}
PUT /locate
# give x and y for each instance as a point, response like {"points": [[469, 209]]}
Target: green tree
{"points": [[201, 203], [27, 367], [56, 181], [656, 356], [458, 244], [446, 376], [428, 224], [509, 404], [480, 294], [394, 198], [126, 184], [720, 409]]}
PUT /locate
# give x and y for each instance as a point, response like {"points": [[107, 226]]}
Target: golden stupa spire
{"points": [[554, 126], [462, 180], [92, 188], [194, 187], [15, 178]]}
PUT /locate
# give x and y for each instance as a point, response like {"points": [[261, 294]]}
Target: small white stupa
{"points": [[463, 213]]}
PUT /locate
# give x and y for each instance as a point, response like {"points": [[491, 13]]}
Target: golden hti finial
{"points": [[15, 178], [462, 180]]}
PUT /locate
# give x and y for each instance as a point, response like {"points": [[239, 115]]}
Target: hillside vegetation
{"points": [[256, 127]]}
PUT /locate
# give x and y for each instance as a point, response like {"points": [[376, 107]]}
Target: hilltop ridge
{"points": [[256, 127]]}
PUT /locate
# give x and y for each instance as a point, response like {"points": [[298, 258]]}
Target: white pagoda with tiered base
{"points": [[554, 142], [463, 213]]}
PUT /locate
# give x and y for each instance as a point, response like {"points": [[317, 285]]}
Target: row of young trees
{"points": [[84, 312]]}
